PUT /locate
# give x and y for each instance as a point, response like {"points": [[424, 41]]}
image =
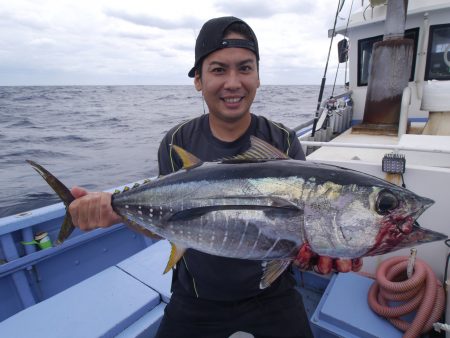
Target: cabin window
{"points": [[365, 53], [438, 57]]}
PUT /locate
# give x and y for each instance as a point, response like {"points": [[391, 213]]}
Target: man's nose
{"points": [[233, 80]]}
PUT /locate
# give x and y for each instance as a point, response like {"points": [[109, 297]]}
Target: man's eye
{"points": [[218, 70], [246, 68]]}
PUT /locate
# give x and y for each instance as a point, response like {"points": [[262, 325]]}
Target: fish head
{"points": [[356, 220], [398, 227]]}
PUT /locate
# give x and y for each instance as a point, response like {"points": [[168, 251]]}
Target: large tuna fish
{"points": [[262, 205]]}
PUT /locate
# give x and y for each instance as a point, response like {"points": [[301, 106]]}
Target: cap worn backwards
{"points": [[211, 38]]}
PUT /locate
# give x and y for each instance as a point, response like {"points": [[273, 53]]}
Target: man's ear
{"points": [[197, 81]]}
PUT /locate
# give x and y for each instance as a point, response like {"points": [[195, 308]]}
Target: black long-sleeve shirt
{"points": [[212, 277]]}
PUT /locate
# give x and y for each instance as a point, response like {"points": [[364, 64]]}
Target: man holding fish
{"points": [[216, 292], [216, 296]]}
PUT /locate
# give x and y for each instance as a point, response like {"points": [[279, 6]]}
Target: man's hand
{"points": [[308, 260], [91, 210]]}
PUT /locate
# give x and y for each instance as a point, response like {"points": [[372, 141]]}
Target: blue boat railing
{"points": [[29, 275]]}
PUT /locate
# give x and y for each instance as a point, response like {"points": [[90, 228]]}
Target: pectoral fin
{"points": [[175, 255], [272, 270]]}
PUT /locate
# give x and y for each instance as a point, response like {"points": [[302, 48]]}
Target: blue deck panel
{"points": [[146, 326], [73, 265], [344, 312], [10, 301], [148, 266], [101, 306], [29, 275]]}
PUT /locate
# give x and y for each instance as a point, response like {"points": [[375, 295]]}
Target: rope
{"points": [[447, 242], [422, 293]]}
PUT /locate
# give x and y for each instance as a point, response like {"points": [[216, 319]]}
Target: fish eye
{"points": [[386, 202]]}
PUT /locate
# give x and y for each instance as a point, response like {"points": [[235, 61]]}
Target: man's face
{"points": [[229, 82]]}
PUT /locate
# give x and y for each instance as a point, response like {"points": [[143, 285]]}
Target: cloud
{"points": [[264, 8], [135, 35], [153, 21], [26, 19], [151, 42], [43, 42]]}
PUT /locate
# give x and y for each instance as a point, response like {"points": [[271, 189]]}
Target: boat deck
{"points": [[128, 300], [124, 300], [438, 144]]}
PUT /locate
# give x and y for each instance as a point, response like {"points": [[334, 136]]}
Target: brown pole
{"points": [[390, 68]]}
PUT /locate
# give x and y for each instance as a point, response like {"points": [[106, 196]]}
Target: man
{"points": [[216, 296]]}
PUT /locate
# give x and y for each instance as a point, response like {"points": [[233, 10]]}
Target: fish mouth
{"points": [[425, 204], [422, 235], [405, 224], [416, 236], [421, 204]]}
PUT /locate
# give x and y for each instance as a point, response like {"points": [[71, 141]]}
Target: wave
{"points": [[27, 202], [66, 138], [25, 122], [35, 152], [113, 119], [19, 157]]}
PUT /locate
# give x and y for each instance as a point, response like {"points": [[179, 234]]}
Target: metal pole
{"points": [[324, 78]]}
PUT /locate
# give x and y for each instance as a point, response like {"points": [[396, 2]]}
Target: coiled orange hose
{"points": [[422, 293]]}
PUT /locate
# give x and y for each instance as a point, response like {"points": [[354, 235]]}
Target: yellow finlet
{"points": [[189, 160], [175, 256]]}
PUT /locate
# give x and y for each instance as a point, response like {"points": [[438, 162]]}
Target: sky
{"points": [[151, 42]]}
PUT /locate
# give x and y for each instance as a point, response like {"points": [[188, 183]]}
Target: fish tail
{"points": [[64, 193]]}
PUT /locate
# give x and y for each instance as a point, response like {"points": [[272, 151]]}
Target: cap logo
{"points": [[239, 43]]}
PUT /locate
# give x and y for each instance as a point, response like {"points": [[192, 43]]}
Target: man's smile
{"points": [[232, 99]]}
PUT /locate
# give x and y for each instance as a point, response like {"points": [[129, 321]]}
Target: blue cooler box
{"points": [[343, 311]]}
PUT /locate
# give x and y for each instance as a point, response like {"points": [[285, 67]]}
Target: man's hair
{"points": [[238, 28]]}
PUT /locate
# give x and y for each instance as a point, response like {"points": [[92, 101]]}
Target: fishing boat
{"points": [[389, 123]]}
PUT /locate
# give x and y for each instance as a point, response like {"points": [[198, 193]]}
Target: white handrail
{"points": [[373, 146], [403, 121]]}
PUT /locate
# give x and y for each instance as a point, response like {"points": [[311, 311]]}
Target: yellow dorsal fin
{"points": [[175, 255], [260, 150], [189, 160]]}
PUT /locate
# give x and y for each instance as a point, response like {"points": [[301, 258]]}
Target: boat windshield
{"points": [[438, 60]]}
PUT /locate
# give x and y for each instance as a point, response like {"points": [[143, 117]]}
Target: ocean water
{"points": [[100, 137]]}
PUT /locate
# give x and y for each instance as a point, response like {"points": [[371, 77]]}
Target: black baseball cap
{"points": [[211, 39]]}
